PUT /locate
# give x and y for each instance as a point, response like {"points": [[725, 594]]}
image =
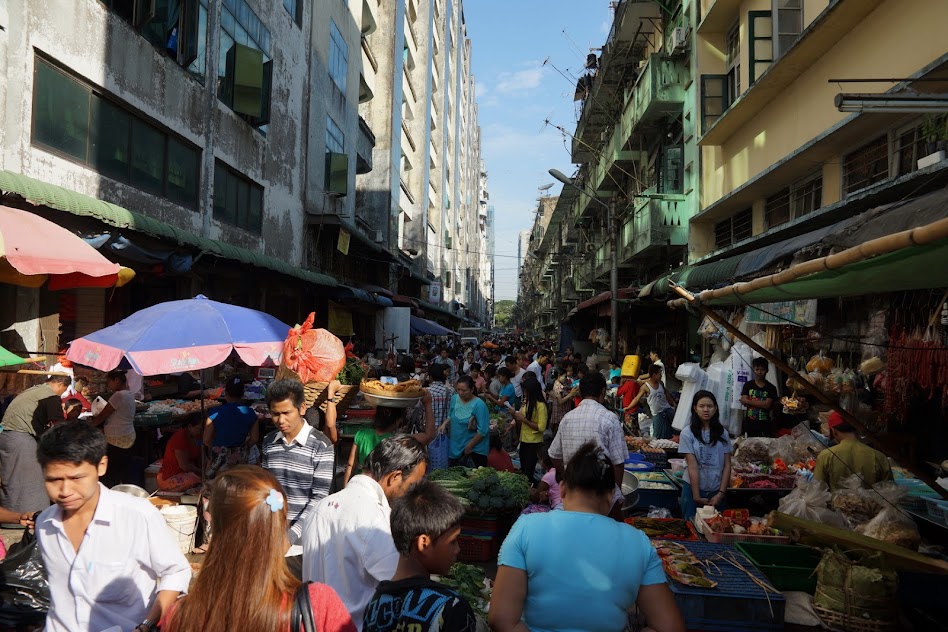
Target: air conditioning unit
{"points": [[679, 40], [377, 236]]}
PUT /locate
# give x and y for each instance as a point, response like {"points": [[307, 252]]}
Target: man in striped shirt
{"points": [[299, 456]]}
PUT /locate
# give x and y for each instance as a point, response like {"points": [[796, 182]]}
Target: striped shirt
{"points": [[304, 467]]}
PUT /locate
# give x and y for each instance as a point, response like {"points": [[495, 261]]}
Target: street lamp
{"points": [[613, 258]]}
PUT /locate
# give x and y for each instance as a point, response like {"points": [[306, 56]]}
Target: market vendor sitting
{"points": [[231, 430], [706, 446], [850, 456], [189, 385], [181, 465]]}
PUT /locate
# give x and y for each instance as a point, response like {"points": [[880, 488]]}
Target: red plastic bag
{"points": [[316, 355]]}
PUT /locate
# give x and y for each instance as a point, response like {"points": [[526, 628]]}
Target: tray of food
{"points": [[407, 389], [723, 529], [664, 528]]}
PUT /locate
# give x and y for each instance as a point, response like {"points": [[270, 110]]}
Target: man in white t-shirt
{"points": [[347, 541], [538, 365], [656, 360], [517, 372]]}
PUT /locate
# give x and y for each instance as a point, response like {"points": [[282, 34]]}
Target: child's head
{"points": [[495, 443], [72, 456], [388, 418], [72, 408], [426, 523]]}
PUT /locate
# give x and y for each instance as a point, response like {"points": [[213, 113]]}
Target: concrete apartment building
{"points": [[213, 146]]}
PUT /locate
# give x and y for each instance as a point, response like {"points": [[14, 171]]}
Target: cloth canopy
{"points": [[8, 358], [424, 327], [34, 249]]}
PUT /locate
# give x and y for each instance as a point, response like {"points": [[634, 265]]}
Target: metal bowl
{"points": [[391, 402], [133, 490], [630, 484]]}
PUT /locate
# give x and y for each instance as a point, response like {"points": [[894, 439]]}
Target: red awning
{"points": [[34, 249], [624, 293], [404, 300]]}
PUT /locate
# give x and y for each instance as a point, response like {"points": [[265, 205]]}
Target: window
{"points": [[733, 62], [71, 119], [670, 180], [338, 57], [295, 9], [788, 16], [866, 166], [714, 99], [245, 68], [238, 201], [761, 48], [337, 161], [177, 28], [913, 143], [807, 196], [733, 229], [777, 210]]}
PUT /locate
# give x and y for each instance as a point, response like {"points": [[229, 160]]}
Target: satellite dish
{"points": [[546, 187]]}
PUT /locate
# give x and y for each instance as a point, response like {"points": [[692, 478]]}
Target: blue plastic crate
{"points": [[736, 603]]}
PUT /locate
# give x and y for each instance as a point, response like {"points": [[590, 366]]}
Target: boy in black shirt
{"points": [[759, 396], [426, 523]]}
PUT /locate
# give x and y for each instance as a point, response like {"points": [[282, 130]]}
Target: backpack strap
{"points": [[302, 614]]}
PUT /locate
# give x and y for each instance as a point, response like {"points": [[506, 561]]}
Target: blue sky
{"points": [[516, 93]]}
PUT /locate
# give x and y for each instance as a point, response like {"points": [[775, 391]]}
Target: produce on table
{"points": [[315, 355], [469, 582], [637, 442], [195, 406], [484, 488], [741, 524], [681, 565]]}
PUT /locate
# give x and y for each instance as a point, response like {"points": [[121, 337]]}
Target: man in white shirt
{"points": [[347, 541], [111, 560], [538, 365], [516, 371]]}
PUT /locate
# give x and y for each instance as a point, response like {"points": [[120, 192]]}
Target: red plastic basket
{"points": [[485, 523], [475, 548]]}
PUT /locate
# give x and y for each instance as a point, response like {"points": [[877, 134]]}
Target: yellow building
{"points": [[778, 157]]}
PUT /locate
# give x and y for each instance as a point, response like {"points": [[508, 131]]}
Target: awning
{"points": [[61, 199], [912, 259], [624, 293], [425, 305], [375, 289], [400, 299], [349, 293], [34, 249], [424, 327]]}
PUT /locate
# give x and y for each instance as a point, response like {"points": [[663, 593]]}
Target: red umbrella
{"points": [[34, 249]]}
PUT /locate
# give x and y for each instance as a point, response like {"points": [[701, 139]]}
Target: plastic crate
{"points": [[736, 603], [787, 567], [481, 524], [475, 548]]}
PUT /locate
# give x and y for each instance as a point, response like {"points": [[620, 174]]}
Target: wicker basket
{"points": [[314, 393], [839, 622]]}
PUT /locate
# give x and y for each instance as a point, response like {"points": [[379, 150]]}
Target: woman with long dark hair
{"points": [[531, 418], [543, 583], [706, 447], [244, 583]]}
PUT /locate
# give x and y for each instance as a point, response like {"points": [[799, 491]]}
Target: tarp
{"points": [[424, 327]]}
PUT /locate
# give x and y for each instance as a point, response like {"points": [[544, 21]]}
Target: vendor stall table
{"points": [[759, 501]]}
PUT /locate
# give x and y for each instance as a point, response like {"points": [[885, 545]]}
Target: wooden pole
{"points": [[807, 386]]}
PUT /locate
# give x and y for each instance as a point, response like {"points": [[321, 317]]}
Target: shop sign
{"points": [[340, 320], [434, 292], [342, 244], [799, 313]]}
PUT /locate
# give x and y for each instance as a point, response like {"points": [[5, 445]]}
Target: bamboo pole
{"points": [[810, 388]]}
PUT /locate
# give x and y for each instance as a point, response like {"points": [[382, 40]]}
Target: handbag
{"points": [[301, 616]]}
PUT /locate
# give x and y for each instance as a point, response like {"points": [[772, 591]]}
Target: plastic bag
{"points": [[892, 525], [659, 512], [820, 363], [315, 355], [24, 591], [856, 504], [753, 450], [809, 500]]}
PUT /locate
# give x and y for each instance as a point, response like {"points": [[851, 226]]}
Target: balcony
{"points": [[367, 74], [657, 92], [633, 25], [654, 224], [364, 145], [370, 16]]}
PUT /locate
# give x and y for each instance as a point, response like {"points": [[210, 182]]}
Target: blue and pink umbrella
{"points": [[184, 335]]}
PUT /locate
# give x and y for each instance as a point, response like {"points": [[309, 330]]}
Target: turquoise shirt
{"points": [[459, 416], [587, 592]]}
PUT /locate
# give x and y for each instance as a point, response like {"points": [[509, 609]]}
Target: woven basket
{"points": [[314, 393], [839, 622]]}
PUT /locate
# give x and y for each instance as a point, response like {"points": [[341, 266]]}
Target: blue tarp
{"points": [[424, 327]]}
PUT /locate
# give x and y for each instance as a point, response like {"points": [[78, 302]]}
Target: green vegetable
{"points": [[352, 373], [468, 581]]}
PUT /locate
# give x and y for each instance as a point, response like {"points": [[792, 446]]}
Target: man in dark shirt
{"points": [[22, 487], [759, 396]]}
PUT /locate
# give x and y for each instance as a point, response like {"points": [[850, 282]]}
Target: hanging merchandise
{"points": [[693, 379], [741, 357]]}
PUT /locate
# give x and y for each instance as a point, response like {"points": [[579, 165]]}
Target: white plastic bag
{"points": [[693, 379], [892, 525], [809, 500]]}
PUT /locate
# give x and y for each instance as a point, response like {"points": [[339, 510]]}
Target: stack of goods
{"points": [[856, 591], [484, 488], [313, 356], [635, 443], [856, 504]]}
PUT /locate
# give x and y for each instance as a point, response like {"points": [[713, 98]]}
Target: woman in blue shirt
{"points": [[468, 426], [706, 446], [231, 430], [578, 569]]}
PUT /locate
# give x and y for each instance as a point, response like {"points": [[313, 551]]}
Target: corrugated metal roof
{"points": [[60, 199]]}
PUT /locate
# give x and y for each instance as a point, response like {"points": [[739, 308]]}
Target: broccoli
{"points": [[484, 503], [473, 496]]}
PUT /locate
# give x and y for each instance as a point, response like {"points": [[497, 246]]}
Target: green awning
{"points": [[912, 268], [60, 199], [425, 305], [8, 358]]}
